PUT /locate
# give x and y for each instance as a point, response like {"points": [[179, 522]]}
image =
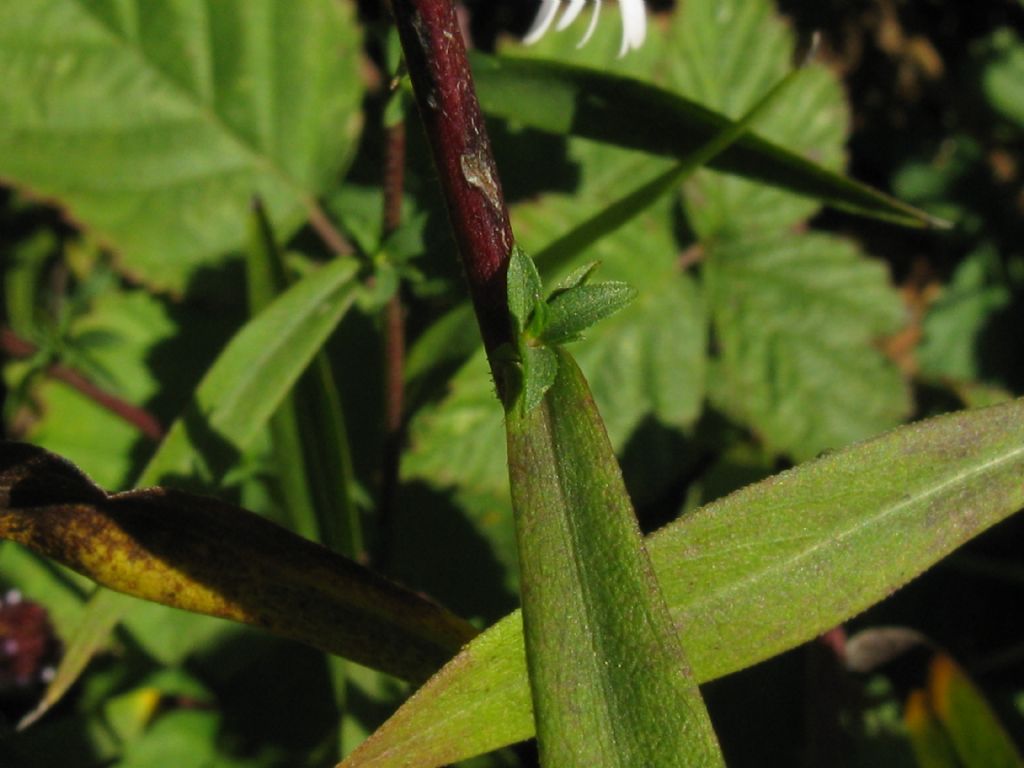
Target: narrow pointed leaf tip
{"points": [[524, 288], [205, 556], [560, 99], [634, 21], [573, 311]]}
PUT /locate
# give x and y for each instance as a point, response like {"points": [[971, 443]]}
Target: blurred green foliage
{"points": [[765, 331]]}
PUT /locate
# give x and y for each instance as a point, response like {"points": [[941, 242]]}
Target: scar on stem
{"points": [[477, 171]]}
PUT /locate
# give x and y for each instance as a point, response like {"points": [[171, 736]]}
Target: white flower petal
{"points": [[633, 12], [542, 21], [593, 24], [575, 6], [634, 25]]}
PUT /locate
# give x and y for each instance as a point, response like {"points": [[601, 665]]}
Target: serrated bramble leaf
{"points": [[727, 54], [142, 325], [797, 320], [574, 310], [458, 442], [954, 326], [154, 124], [591, 103]]}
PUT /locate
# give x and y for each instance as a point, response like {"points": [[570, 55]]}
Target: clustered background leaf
{"points": [[765, 331]]}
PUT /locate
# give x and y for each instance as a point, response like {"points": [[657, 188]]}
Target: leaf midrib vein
{"points": [[792, 564], [203, 111], [572, 534]]}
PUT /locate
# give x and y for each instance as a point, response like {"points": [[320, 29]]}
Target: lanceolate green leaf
{"points": [[757, 572], [153, 124], [205, 556], [313, 461], [252, 375], [232, 404], [931, 744], [571, 313], [266, 277], [309, 431], [563, 99], [611, 685]]}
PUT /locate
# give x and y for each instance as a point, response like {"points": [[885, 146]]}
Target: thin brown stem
{"points": [[435, 56], [13, 345], [394, 345], [330, 234], [394, 177]]}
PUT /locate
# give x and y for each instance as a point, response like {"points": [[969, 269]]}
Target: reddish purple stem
{"points": [[394, 351], [15, 346], [436, 58]]}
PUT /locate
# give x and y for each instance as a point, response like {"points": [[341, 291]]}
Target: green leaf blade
{"points": [[154, 124], [574, 310], [255, 371], [798, 321], [540, 368], [931, 744], [610, 682], [524, 288], [724, 55], [206, 556], [309, 431], [562, 99], [846, 530], [234, 401]]}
